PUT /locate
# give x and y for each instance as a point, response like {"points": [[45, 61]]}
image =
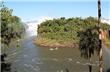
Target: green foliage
{"points": [[88, 42], [11, 26], [63, 29]]}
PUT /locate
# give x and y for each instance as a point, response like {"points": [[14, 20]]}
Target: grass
{"points": [[53, 43]]}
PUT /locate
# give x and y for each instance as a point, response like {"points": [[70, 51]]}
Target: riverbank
{"points": [[54, 43], [107, 43], [51, 43]]}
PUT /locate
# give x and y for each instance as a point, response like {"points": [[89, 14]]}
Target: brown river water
{"points": [[31, 58]]}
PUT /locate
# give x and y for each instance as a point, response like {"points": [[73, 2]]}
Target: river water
{"points": [[31, 58]]}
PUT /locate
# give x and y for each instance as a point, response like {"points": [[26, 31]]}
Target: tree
{"points": [[88, 43], [11, 26], [65, 30], [100, 40]]}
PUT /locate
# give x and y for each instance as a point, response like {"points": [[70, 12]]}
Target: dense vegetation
{"points": [[88, 44], [65, 30], [11, 26]]}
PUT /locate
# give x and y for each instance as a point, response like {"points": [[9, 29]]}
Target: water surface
{"points": [[31, 58]]}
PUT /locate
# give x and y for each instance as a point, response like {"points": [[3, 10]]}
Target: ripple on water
{"points": [[16, 60], [26, 65], [39, 63], [33, 60], [36, 69], [70, 59], [78, 62], [25, 55], [55, 59]]}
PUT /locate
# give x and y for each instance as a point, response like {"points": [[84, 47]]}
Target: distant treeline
{"points": [[63, 29]]}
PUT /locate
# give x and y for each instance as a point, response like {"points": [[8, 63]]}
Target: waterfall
{"points": [[31, 28], [33, 25]]}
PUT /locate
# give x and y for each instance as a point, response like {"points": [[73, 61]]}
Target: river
{"points": [[31, 58], [106, 57]]}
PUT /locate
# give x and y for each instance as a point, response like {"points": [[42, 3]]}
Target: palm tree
{"points": [[88, 43]]}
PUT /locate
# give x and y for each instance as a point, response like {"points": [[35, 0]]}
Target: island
{"points": [[62, 32]]}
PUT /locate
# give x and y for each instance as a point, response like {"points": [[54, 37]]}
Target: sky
{"points": [[33, 10]]}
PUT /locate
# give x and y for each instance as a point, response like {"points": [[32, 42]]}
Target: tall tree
{"points": [[88, 43]]}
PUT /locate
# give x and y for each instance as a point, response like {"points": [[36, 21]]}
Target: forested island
{"points": [[62, 32]]}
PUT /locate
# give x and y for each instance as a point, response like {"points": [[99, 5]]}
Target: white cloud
{"points": [[105, 21], [33, 25], [44, 18]]}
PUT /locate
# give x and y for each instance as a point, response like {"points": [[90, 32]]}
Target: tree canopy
{"points": [[11, 26], [89, 42], [63, 29]]}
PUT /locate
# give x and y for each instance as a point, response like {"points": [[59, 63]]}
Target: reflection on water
{"points": [[31, 58]]}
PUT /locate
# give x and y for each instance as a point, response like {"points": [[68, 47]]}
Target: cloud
{"points": [[105, 21], [43, 18], [33, 25]]}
